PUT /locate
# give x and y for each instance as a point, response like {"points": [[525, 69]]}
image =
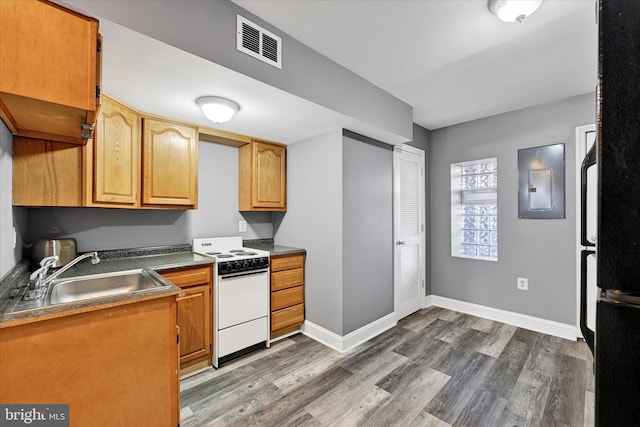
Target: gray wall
{"points": [[217, 213], [541, 250], [340, 208], [367, 238], [340, 192], [9, 216], [314, 221], [208, 29]]}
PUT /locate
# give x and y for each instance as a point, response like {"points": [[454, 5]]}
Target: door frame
{"points": [[581, 136], [397, 150]]}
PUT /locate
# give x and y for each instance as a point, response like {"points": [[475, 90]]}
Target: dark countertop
{"points": [[157, 259], [274, 249]]}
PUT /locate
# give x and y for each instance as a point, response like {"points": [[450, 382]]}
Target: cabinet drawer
{"points": [[287, 262], [188, 276], [287, 297], [287, 317], [287, 279]]}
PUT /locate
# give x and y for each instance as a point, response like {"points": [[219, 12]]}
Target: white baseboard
{"points": [[537, 324], [428, 301], [351, 340], [322, 335]]}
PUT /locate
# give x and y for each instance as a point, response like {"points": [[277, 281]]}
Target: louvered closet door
{"points": [[409, 230]]}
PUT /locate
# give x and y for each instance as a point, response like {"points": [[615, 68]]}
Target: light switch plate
{"points": [[242, 226]]}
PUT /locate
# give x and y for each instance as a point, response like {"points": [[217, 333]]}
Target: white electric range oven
{"points": [[241, 296]]}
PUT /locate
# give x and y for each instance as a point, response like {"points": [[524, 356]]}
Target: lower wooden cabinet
{"points": [[194, 316], [115, 366], [287, 294], [286, 320]]}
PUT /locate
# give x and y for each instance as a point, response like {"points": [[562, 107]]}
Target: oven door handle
{"points": [[243, 273]]}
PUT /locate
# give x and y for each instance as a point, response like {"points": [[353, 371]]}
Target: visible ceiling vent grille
{"points": [[258, 42]]}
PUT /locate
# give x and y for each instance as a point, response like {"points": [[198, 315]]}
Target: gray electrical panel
{"points": [[541, 182]]}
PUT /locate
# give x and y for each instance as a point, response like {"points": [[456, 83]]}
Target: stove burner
{"points": [[224, 256], [242, 252], [214, 253]]}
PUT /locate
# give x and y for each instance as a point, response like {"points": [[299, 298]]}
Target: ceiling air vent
{"points": [[258, 42]]}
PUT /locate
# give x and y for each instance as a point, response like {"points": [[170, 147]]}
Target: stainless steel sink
{"points": [[101, 285]]}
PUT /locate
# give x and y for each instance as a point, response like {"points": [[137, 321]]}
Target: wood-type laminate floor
{"points": [[435, 368]]}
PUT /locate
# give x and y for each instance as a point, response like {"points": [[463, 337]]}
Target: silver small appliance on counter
{"points": [[64, 249]]}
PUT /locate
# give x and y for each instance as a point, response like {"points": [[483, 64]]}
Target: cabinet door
{"points": [[169, 163], [46, 173], [194, 308], [116, 156], [114, 366], [48, 63], [269, 180], [194, 315]]}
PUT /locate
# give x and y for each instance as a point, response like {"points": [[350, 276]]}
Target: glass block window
{"points": [[474, 209]]}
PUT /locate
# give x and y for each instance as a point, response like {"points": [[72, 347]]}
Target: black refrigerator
{"points": [[616, 342]]}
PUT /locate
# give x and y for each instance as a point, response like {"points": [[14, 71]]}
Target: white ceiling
{"points": [[452, 60], [159, 79]]}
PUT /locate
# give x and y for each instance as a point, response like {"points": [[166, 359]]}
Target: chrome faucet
{"points": [[92, 255], [37, 277], [39, 280]]}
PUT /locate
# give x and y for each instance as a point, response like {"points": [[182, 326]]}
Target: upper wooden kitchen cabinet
{"points": [[49, 70], [46, 173], [113, 157], [263, 177], [169, 163], [121, 167]]}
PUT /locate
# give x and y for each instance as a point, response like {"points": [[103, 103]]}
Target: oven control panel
{"points": [[242, 265]]}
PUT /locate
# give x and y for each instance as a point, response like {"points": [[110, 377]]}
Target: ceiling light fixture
{"points": [[218, 110], [513, 10]]}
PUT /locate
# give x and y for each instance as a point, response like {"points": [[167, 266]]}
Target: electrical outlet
{"points": [[523, 283], [242, 226]]}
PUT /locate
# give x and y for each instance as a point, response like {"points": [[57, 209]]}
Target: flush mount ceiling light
{"points": [[513, 10], [218, 110]]}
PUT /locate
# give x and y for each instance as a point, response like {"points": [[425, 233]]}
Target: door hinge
{"points": [[97, 91], [99, 45], [177, 338], [86, 131]]}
